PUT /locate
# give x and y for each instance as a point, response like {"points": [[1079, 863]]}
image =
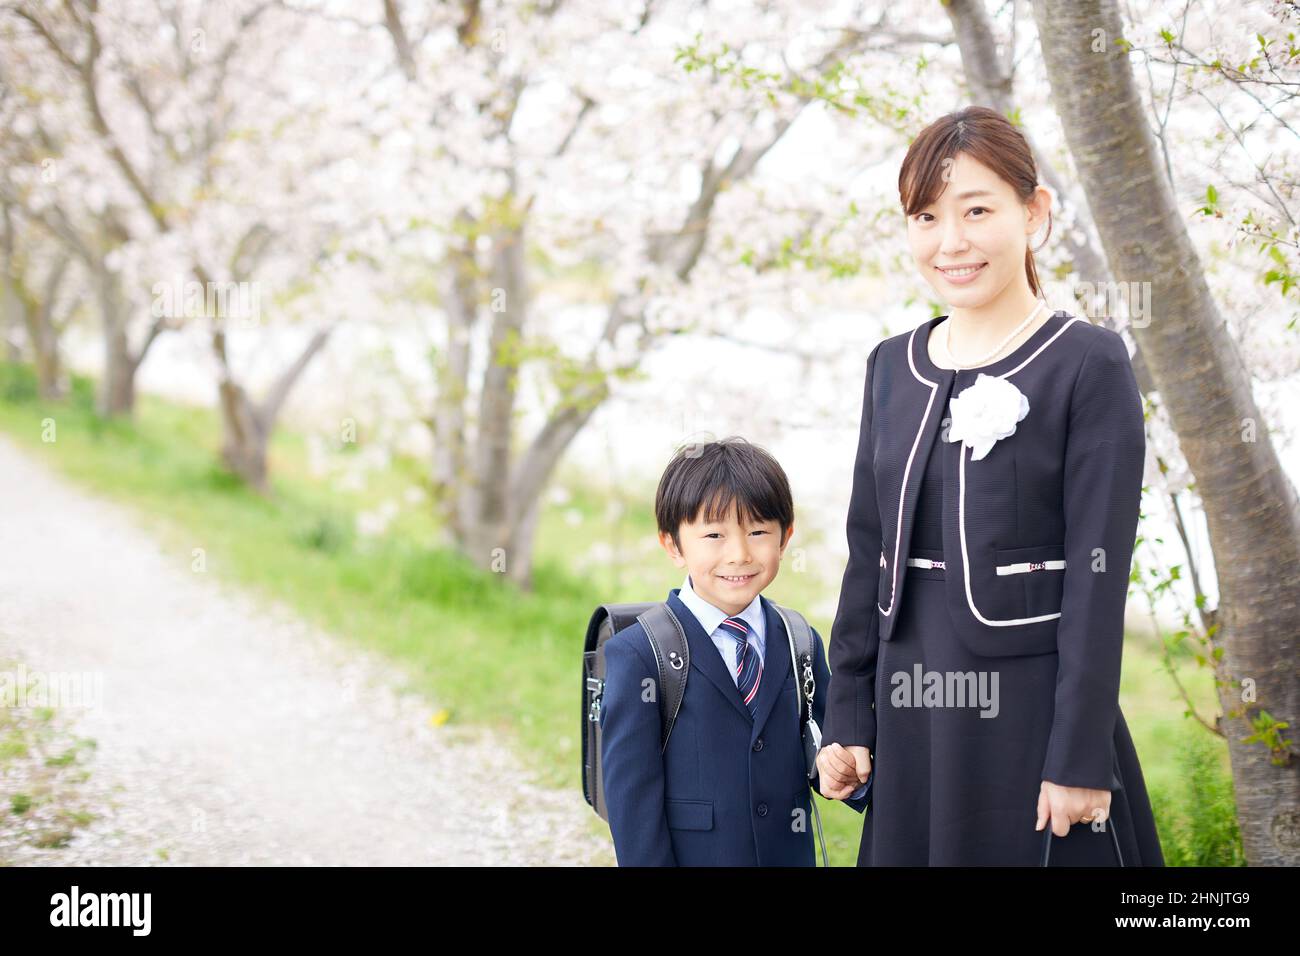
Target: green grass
{"points": [[1186, 768], [39, 753], [487, 653]]}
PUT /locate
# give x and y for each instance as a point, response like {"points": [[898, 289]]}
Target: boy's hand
{"points": [[842, 770]]}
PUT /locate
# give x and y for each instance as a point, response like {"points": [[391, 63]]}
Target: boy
{"points": [[731, 788]]}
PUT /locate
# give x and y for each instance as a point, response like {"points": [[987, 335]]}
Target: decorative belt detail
{"points": [[928, 563], [1024, 567]]}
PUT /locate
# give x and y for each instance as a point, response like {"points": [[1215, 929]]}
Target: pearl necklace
{"points": [[947, 341]]}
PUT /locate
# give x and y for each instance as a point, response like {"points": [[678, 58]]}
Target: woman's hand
{"points": [[1065, 806], [842, 770]]}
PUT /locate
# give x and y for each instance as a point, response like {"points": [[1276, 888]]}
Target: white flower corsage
{"points": [[985, 412]]}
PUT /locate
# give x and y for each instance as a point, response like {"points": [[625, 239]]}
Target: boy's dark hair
{"points": [[709, 477]]}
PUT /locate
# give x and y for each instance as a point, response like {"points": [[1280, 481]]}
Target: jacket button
{"points": [[762, 809], [758, 745]]}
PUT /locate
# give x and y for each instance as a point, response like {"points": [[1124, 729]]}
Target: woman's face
{"points": [[970, 242]]}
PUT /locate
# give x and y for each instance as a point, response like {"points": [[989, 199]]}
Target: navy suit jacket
{"points": [[1038, 535], [730, 789]]}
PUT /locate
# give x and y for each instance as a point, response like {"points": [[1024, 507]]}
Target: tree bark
{"points": [[117, 390], [1251, 506], [247, 425], [36, 312], [451, 487]]}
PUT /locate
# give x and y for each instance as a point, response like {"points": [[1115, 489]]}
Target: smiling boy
{"points": [[731, 787]]}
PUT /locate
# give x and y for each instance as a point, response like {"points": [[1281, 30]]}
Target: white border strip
{"points": [[1041, 347], [961, 499], [961, 506], [1024, 567], [902, 493]]}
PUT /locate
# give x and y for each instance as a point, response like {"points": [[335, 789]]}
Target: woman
{"points": [[975, 654]]}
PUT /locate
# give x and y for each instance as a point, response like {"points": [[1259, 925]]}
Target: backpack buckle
{"points": [[595, 687]]}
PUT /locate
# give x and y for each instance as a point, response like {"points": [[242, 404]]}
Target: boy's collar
{"points": [[711, 617]]}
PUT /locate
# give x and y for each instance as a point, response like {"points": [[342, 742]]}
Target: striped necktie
{"points": [[749, 668]]}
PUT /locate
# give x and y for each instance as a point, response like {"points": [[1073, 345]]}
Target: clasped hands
{"points": [[844, 769]]}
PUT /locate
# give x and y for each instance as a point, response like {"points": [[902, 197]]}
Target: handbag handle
{"points": [[1114, 840]]}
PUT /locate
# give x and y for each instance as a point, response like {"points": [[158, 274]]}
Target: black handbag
{"points": [[1114, 841]]}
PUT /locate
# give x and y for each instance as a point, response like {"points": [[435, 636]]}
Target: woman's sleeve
{"points": [[821, 678], [855, 635], [1105, 452]]}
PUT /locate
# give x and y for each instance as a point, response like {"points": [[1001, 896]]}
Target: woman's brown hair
{"points": [[983, 134]]}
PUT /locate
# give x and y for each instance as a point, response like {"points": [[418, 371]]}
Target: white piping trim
{"points": [[1041, 347], [907, 469], [961, 499], [965, 558], [961, 509], [1024, 567]]}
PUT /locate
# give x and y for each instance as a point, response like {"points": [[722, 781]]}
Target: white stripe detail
{"points": [[961, 484], [961, 508], [927, 563], [902, 493], [1040, 348], [965, 558], [1024, 567]]}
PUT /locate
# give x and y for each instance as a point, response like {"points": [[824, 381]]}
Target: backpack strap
{"points": [[799, 634], [672, 657]]}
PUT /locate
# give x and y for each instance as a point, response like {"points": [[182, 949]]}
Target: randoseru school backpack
{"points": [[672, 656]]}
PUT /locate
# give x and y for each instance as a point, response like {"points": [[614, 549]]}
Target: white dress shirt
{"points": [[711, 619]]}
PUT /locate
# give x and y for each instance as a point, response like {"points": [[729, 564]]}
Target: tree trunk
{"points": [[243, 444], [49, 368], [487, 517], [247, 426], [1251, 506], [117, 390], [495, 499], [451, 380], [33, 312], [43, 332]]}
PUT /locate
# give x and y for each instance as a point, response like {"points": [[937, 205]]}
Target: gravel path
{"points": [[231, 732]]}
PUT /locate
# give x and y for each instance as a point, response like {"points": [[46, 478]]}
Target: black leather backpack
{"points": [[672, 656]]}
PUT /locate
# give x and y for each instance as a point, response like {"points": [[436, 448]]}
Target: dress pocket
{"points": [[1041, 569]]}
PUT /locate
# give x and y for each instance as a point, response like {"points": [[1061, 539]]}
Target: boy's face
{"points": [[716, 554]]}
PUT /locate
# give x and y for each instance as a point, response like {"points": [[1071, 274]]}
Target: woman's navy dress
{"points": [[952, 787]]}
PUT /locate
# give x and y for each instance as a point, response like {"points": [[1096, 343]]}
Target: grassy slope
{"points": [[486, 653]]}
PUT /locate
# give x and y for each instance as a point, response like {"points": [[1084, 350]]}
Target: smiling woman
{"points": [[970, 241], [1003, 549]]}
